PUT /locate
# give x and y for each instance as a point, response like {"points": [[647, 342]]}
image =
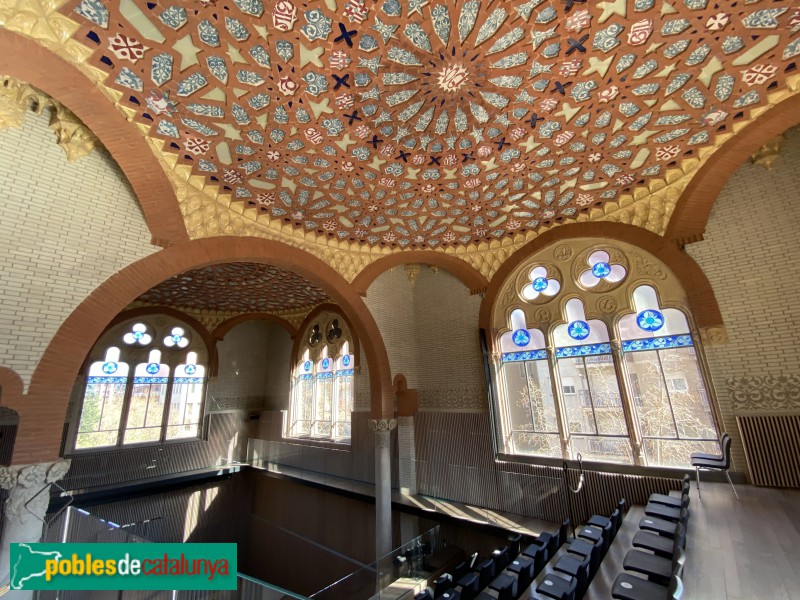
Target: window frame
{"points": [[133, 355]]}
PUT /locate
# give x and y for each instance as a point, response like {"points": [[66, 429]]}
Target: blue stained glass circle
{"points": [[137, 335], [578, 330], [110, 368], [190, 369], [540, 284], [326, 362], [177, 338], [521, 338], [650, 320], [601, 269], [346, 361], [152, 368], [307, 365]]}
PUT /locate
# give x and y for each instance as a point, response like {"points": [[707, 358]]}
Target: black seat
{"points": [[577, 568], [451, 594], [656, 568], [629, 587], [663, 527], [514, 544], [601, 521], [470, 586], [523, 567], [659, 544], [709, 456], [715, 464], [557, 587], [539, 557], [485, 571], [442, 584], [667, 513], [426, 594], [505, 585], [460, 570], [586, 549], [672, 501], [501, 557]]}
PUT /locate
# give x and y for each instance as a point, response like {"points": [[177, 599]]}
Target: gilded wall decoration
{"points": [[764, 393], [472, 397]]}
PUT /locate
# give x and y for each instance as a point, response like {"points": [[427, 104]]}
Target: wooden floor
{"points": [[742, 550]]}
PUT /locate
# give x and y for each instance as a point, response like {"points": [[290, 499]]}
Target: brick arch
{"points": [[11, 387], [223, 328], [702, 301], [690, 217], [469, 275], [28, 61], [42, 409]]}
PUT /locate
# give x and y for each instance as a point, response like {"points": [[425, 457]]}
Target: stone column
{"points": [[28, 498], [383, 484], [406, 456]]}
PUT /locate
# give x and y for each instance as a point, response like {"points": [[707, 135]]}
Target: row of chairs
{"points": [[576, 567], [655, 564], [509, 571]]}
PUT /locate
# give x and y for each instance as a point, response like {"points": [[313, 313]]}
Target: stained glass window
{"points": [[162, 401], [599, 268], [103, 399], [322, 383], [666, 384]]}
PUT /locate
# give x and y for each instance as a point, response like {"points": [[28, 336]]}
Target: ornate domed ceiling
{"points": [[236, 287], [434, 123]]}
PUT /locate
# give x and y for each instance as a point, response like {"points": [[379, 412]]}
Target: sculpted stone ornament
{"points": [[768, 153], [28, 499], [382, 424], [17, 98]]}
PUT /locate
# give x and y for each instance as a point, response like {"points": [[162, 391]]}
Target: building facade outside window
{"points": [[595, 356], [145, 384], [322, 381]]}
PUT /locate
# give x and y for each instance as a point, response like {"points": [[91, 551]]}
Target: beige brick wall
{"points": [[64, 229], [750, 256], [254, 367], [430, 330]]}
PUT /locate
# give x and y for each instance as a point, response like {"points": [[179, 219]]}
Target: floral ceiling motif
{"points": [[434, 123], [236, 288]]}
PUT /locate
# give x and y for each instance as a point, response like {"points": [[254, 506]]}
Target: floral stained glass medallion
{"points": [[650, 320], [521, 338], [578, 330]]}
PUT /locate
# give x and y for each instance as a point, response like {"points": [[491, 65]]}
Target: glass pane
{"points": [[324, 409], [687, 391], [101, 412], [517, 397], [145, 412], [577, 395], [605, 395], [303, 405], [540, 397], [676, 453], [344, 405], [649, 394], [184, 408], [607, 449], [536, 444]]}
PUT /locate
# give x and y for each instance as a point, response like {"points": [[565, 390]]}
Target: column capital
{"points": [[382, 424], [25, 482]]}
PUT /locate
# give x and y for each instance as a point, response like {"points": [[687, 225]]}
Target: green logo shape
{"points": [[123, 566]]}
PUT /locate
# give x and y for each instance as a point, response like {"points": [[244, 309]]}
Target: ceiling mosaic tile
{"points": [[437, 123]]}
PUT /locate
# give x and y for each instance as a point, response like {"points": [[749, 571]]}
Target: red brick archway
{"points": [[42, 409], [688, 221], [702, 301], [468, 275], [26, 60], [223, 328]]}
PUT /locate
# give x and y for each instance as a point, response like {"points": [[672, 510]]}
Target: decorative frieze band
{"points": [[780, 392]]}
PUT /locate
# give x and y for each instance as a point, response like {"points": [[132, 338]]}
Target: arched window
{"points": [[589, 389], [164, 399], [322, 381], [590, 362], [665, 381]]}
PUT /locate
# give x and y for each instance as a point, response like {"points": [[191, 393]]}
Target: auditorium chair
{"points": [[655, 568], [663, 527], [616, 516], [629, 587], [523, 568], [701, 462], [659, 544], [555, 586], [668, 513], [672, 501]]}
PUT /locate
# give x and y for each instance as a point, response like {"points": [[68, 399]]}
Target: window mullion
{"points": [[167, 402], [555, 384], [669, 398], [628, 409]]}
